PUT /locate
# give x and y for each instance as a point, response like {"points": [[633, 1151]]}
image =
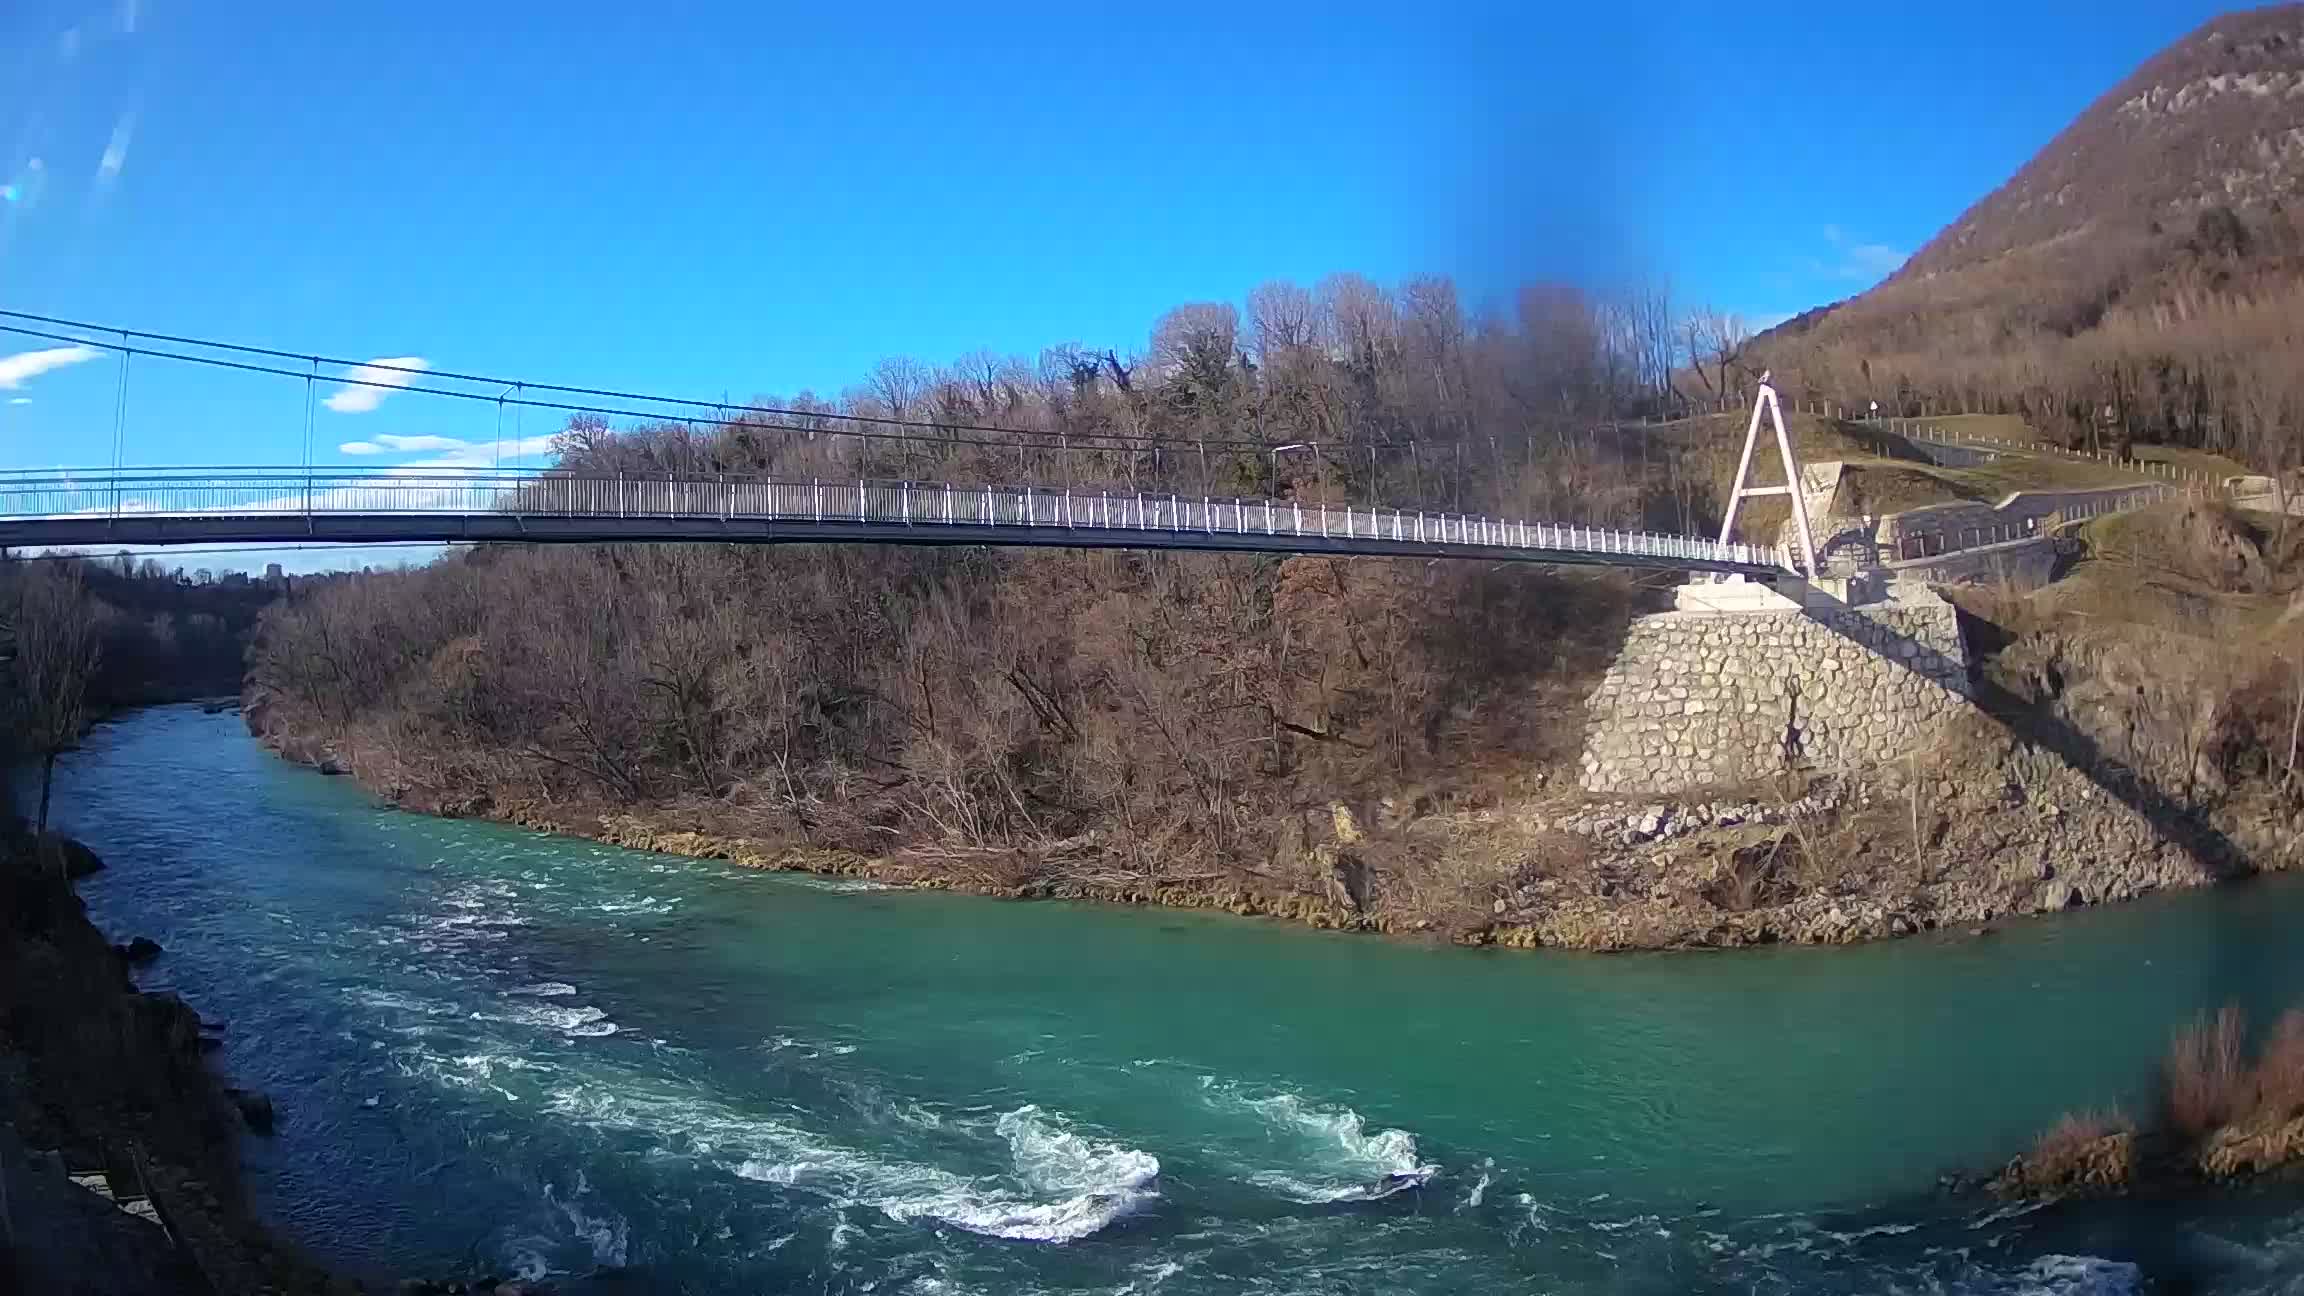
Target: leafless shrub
{"points": [[2279, 1074], [2206, 1080]]}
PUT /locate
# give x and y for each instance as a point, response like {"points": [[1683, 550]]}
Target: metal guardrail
{"points": [[1918, 545], [296, 499], [1937, 435]]}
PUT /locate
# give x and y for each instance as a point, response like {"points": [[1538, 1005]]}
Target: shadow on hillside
{"points": [[2175, 821]]}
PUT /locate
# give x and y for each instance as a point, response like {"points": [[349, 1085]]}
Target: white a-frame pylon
{"points": [[1766, 404]]}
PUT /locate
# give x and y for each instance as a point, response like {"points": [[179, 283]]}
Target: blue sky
{"points": [[752, 199]]}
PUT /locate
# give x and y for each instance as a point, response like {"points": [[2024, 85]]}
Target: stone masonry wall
{"points": [[1702, 698]]}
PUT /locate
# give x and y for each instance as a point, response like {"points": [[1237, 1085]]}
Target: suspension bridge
{"points": [[291, 505], [126, 506], [121, 505]]}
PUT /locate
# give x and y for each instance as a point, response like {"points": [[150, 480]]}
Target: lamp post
{"points": [[1276, 452]]}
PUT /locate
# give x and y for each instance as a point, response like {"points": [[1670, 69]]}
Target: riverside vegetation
{"points": [[1382, 745], [2223, 1112]]}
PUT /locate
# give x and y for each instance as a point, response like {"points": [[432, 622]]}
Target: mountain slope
{"points": [[2141, 277], [2215, 120]]}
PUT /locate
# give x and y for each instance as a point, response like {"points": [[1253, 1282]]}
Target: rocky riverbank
{"points": [[118, 1143], [110, 1084], [1980, 827]]}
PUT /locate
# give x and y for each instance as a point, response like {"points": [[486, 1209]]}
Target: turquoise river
{"points": [[497, 1051]]}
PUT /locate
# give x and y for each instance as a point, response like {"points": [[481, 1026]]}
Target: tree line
{"points": [[1057, 715], [80, 638]]}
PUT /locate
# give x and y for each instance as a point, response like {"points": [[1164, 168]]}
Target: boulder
{"points": [[255, 1109], [331, 765], [2253, 1148], [140, 950], [78, 861]]}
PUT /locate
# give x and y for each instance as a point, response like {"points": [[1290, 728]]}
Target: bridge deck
{"points": [[287, 506]]}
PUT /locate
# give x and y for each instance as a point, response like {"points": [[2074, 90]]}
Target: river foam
{"points": [[1061, 1185], [2064, 1275], [1337, 1157]]}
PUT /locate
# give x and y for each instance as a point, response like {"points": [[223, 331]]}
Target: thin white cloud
{"points": [[19, 400], [366, 385], [482, 454], [15, 370], [1854, 259], [449, 452], [116, 150], [1875, 258], [390, 444]]}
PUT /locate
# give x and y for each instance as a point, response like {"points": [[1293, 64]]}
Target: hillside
{"points": [[2214, 121], [2137, 279]]}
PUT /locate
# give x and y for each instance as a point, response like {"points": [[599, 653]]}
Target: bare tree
{"points": [[901, 383], [1434, 324], [1195, 342], [1362, 323], [1648, 324], [1714, 341], [1283, 319], [57, 647]]}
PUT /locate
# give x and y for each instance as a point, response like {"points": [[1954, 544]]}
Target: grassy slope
{"points": [[2008, 427], [2145, 569]]}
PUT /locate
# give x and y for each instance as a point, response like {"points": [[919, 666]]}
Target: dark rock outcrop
{"points": [[87, 1062], [255, 1109], [78, 861]]}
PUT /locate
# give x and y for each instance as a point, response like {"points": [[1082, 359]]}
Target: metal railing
{"points": [[2068, 506], [298, 497], [2195, 480]]}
